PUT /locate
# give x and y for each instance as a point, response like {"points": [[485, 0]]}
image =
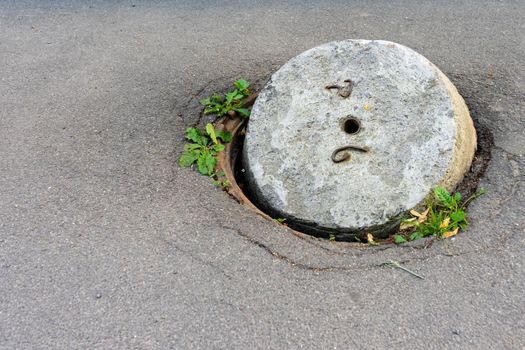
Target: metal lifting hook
{"points": [[335, 159], [343, 91]]}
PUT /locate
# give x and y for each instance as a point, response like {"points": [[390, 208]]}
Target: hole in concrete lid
{"points": [[351, 126]]}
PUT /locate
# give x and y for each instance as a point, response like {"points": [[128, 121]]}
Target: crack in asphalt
{"points": [[290, 261], [197, 258], [498, 246]]}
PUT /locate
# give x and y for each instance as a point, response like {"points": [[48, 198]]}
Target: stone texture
{"points": [[414, 122]]}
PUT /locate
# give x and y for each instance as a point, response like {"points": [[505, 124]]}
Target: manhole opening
{"points": [[240, 178], [351, 126], [468, 186]]}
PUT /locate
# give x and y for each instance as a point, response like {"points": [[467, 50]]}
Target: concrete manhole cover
{"points": [[347, 137]]}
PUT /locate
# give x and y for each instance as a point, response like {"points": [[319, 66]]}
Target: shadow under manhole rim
{"points": [[230, 164]]}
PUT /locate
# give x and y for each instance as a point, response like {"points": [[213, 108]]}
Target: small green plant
{"points": [[399, 239], [280, 220], [331, 237], [203, 149], [444, 217], [224, 184], [232, 101], [204, 145]]}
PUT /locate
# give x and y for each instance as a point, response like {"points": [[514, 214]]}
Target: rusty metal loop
{"points": [[343, 91], [335, 159]]}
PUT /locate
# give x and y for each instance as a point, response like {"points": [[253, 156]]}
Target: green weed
{"points": [[232, 101], [444, 217], [204, 145], [224, 184], [203, 148]]}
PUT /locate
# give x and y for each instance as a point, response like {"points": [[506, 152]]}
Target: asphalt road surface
{"points": [[106, 243]]}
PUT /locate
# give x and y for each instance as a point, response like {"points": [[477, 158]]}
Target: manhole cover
{"points": [[348, 136]]}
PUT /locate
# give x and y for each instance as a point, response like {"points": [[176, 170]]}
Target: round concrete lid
{"points": [[407, 124]]}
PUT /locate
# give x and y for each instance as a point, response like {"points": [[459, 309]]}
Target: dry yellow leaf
{"points": [[366, 107], [370, 239], [451, 233], [445, 223], [407, 224], [404, 226], [421, 217]]}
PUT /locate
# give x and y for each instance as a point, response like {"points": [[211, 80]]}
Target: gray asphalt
{"points": [[106, 243]]}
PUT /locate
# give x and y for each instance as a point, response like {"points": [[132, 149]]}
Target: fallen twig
{"points": [[395, 264]]}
